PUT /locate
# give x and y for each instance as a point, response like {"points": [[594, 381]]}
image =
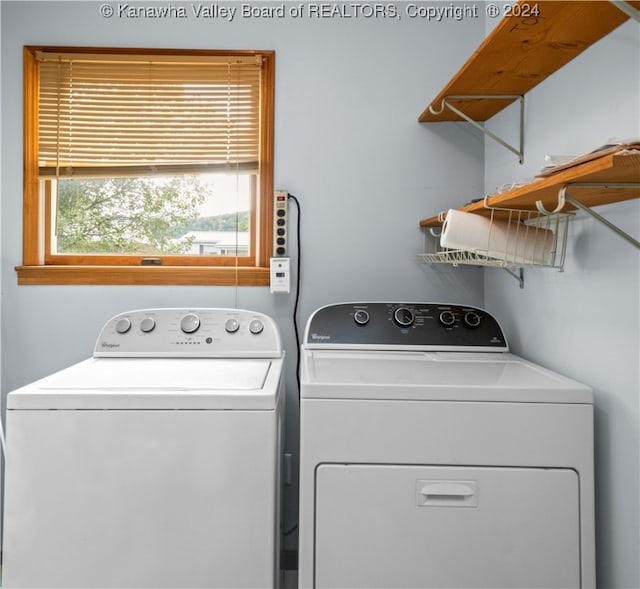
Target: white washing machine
{"points": [[431, 457], [153, 464]]}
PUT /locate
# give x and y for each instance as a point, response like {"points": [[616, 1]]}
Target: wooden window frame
{"points": [[39, 267]]}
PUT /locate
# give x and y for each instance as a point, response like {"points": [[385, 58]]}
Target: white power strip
{"points": [[280, 220]]}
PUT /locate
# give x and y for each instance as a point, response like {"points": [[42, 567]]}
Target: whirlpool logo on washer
{"points": [[109, 345], [320, 337]]}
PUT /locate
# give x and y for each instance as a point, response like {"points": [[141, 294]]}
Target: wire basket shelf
{"points": [[504, 238]]}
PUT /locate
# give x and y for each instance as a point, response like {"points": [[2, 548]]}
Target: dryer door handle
{"points": [[447, 493]]}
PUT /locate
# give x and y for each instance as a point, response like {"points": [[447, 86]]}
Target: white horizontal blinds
{"points": [[118, 115]]}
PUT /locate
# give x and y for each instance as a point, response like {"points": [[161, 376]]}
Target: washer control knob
{"points": [[232, 325], [471, 319], [190, 323], [147, 324], [404, 316], [361, 317], [256, 326], [123, 325], [447, 318]]}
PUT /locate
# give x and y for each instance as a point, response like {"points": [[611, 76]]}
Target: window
{"points": [[147, 166]]}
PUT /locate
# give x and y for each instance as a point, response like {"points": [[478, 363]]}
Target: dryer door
{"points": [[432, 527]]}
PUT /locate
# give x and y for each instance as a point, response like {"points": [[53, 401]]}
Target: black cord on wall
{"points": [[295, 319], [297, 300]]}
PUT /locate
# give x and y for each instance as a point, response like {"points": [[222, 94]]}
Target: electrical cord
{"points": [[297, 299], [291, 530]]}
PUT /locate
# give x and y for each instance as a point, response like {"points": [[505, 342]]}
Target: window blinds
{"points": [[109, 114]]}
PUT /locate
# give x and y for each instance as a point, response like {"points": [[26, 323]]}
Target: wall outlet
{"points": [[280, 275], [288, 469]]}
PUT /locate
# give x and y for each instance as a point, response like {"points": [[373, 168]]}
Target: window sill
{"points": [[146, 275]]}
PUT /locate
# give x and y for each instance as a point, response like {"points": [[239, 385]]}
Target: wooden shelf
{"points": [[524, 50], [612, 168]]}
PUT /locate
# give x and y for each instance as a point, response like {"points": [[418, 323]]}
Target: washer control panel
{"points": [[199, 333], [429, 326]]}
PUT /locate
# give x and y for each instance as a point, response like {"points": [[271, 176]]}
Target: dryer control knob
{"points": [[361, 317], [472, 319], [447, 318], [256, 326], [123, 325], [232, 325], [190, 323], [404, 316]]}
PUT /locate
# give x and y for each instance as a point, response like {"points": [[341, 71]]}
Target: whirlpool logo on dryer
{"points": [[321, 337], [109, 345]]}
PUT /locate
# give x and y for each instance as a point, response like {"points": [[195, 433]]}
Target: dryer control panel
{"points": [[384, 325], [190, 333]]}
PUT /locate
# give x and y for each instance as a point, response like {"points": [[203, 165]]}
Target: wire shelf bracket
{"points": [[519, 151], [629, 10], [519, 276], [564, 198]]}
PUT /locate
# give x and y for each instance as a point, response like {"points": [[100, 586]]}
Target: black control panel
{"points": [[407, 325]]}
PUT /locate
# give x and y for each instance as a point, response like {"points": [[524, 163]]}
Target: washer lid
{"points": [[153, 383], [439, 376]]}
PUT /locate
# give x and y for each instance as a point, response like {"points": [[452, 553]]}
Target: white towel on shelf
{"points": [[508, 241]]}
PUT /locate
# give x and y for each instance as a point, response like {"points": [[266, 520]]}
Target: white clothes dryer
{"points": [[431, 457], [153, 464]]}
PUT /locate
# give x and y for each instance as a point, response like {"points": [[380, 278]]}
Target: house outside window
{"points": [[217, 243]]}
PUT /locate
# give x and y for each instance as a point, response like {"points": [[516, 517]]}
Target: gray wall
{"points": [[348, 94], [584, 322]]}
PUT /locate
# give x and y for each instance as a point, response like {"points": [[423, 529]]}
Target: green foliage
{"points": [[133, 215], [227, 222]]}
